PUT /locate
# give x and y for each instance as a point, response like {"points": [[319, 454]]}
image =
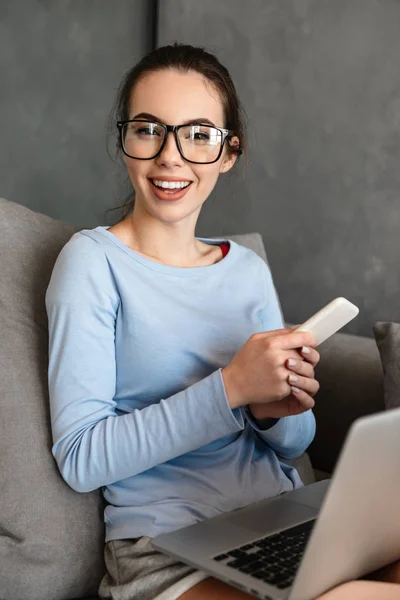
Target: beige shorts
{"points": [[136, 571]]}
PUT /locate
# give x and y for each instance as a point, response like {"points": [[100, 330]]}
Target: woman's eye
{"points": [[204, 137], [146, 131], [198, 136]]}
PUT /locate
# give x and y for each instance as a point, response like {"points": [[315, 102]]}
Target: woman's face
{"points": [[174, 98]]}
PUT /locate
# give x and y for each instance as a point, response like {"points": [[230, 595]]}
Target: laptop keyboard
{"points": [[273, 559]]}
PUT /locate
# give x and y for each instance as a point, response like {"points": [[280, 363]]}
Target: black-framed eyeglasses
{"points": [[197, 143]]}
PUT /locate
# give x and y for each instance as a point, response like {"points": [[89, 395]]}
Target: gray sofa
{"points": [[51, 538]]}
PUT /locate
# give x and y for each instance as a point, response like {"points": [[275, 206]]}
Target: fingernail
{"points": [[292, 362], [293, 378], [295, 390], [305, 350]]}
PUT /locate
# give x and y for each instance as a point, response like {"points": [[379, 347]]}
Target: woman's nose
{"points": [[170, 154]]}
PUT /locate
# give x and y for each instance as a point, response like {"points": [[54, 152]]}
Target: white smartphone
{"points": [[330, 319]]}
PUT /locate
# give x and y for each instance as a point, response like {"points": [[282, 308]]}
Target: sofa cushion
{"points": [[351, 379], [51, 543], [387, 336]]}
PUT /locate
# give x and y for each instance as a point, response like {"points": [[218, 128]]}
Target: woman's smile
{"points": [[169, 188]]}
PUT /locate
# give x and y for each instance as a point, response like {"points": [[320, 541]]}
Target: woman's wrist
{"points": [[259, 412], [230, 388], [262, 420]]}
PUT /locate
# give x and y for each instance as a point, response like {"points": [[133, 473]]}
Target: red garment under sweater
{"points": [[225, 248]]}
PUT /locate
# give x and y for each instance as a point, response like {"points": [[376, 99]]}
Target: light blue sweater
{"points": [[138, 405]]}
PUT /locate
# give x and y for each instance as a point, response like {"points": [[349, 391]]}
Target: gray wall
{"points": [[60, 65], [320, 83], [321, 86]]}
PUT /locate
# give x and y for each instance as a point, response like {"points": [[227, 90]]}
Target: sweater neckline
{"points": [[168, 269]]}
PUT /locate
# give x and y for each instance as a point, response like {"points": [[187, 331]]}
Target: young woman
{"points": [[173, 385]]}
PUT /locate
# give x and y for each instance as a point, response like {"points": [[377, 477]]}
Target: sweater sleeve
{"points": [[289, 436], [93, 445]]}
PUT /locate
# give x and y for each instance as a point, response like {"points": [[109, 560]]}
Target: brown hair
{"points": [[182, 57]]}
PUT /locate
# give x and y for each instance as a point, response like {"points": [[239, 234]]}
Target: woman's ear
{"points": [[230, 157]]}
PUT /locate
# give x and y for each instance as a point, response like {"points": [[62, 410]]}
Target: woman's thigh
{"points": [[363, 590], [383, 584], [390, 573], [214, 589]]}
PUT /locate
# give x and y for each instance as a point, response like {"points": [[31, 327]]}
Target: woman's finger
{"points": [[305, 399], [288, 341], [311, 386], [310, 355], [300, 367]]}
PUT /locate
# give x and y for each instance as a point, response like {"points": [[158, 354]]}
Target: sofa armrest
{"points": [[351, 379]]}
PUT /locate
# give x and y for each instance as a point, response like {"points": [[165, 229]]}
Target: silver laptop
{"points": [[279, 549]]}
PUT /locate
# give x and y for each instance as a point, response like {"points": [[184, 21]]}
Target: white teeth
{"points": [[170, 184]]}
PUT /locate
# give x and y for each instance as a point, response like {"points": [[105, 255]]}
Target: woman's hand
{"points": [[302, 368], [258, 373]]}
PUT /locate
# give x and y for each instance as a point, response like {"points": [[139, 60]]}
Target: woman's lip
{"points": [[162, 194]]}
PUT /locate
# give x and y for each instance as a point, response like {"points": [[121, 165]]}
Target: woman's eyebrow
{"points": [[150, 117]]}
